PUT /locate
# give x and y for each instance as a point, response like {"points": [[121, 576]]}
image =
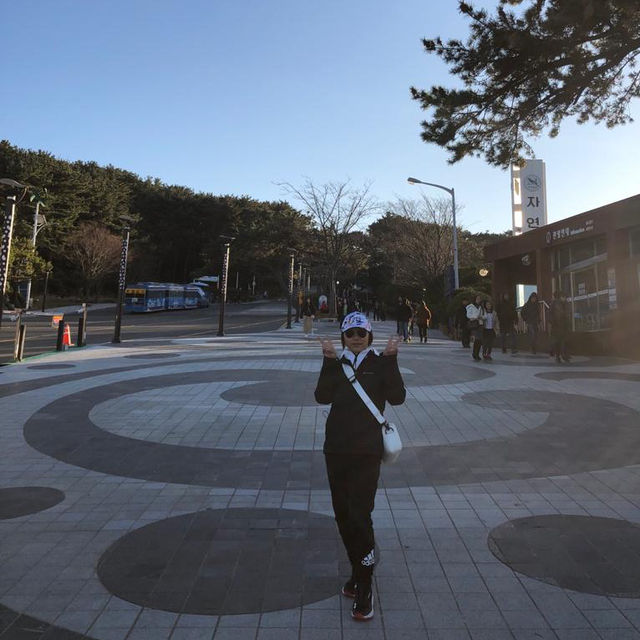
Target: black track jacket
{"points": [[351, 427]]}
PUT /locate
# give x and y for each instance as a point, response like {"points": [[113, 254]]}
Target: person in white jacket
{"points": [[489, 329], [475, 315]]}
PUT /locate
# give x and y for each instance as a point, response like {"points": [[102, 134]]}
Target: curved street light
{"points": [[452, 193]]}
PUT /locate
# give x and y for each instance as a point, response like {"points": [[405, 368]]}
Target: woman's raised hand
{"points": [[392, 346], [328, 350]]}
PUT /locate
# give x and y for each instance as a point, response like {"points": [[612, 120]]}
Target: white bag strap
{"points": [[350, 372]]}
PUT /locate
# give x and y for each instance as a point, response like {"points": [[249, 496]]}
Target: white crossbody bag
{"points": [[390, 436]]}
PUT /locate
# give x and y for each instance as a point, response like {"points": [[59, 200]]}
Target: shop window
{"points": [[565, 283], [584, 282], [564, 257], [603, 278], [582, 251], [604, 308]]}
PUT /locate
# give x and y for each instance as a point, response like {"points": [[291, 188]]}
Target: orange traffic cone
{"points": [[66, 337]]}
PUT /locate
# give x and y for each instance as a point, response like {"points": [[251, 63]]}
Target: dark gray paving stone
{"points": [[50, 367], [151, 356], [183, 565], [16, 502], [576, 425], [589, 554]]}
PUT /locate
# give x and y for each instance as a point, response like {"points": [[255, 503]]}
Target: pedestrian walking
{"points": [[308, 316], [560, 319], [462, 324], [403, 315], [423, 320], [353, 444], [507, 319], [475, 314], [490, 323], [531, 315]]}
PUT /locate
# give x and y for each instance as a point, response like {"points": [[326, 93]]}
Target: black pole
{"points": [[121, 285], [44, 294], [289, 298], [60, 336], [7, 232], [299, 293], [223, 287], [82, 327]]}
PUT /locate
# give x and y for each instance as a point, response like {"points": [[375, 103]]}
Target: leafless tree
{"points": [[95, 251], [337, 209], [427, 248]]}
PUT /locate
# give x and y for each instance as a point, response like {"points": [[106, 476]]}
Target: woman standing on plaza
{"points": [[308, 315], [475, 316], [353, 444], [490, 322]]}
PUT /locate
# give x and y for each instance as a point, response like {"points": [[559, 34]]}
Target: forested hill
{"points": [[175, 233], [175, 236]]}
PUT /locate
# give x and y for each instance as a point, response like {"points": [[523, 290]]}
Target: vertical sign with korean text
{"points": [[528, 196]]}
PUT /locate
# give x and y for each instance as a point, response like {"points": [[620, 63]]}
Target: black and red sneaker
{"points": [[362, 609], [349, 588]]}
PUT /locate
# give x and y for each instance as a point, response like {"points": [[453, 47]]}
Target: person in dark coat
{"points": [[531, 315], [404, 313], [353, 444], [462, 324], [560, 319], [423, 320], [507, 320]]}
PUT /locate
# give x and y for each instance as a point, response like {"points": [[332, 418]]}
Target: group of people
{"points": [[480, 321], [410, 315]]}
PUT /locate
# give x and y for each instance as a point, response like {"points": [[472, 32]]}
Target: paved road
{"points": [[239, 318]]}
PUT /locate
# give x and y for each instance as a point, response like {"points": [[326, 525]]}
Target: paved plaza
{"points": [[176, 489]]}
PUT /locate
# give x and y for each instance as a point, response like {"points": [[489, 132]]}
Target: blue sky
{"points": [[234, 96]]}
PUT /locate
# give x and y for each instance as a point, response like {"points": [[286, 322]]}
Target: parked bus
{"points": [[144, 297]]}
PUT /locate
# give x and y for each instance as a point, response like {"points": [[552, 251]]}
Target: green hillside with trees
{"points": [[344, 234]]}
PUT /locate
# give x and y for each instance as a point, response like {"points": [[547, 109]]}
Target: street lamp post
{"points": [[122, 278], [223, 286], [7, 233], [292, 257], [39, 221], [300, 293], [452, 193]]}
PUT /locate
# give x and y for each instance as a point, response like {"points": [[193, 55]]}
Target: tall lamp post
{"points": [[39, 221], [7, 233], [122, 277], [292, 257], [452, 193], [223, 285]]}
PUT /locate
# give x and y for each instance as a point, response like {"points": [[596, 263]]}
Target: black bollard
{"points": [[81, 335], [60, 335]]}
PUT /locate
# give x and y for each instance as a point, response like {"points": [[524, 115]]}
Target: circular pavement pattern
{"points": [[151, 356], [227, 561], [45, 367], [588, 554], [22, 501]]}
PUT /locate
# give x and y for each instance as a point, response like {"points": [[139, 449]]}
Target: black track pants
{"points": [[353, 480]]}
